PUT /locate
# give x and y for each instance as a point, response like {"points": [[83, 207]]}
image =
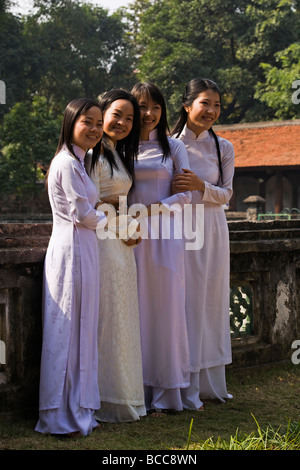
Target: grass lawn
{"points": [[267, 396]]}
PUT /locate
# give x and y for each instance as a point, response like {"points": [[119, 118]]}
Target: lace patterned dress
{"points": [[120, 362]]}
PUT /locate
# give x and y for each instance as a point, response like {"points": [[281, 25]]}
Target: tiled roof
{"points": [[275, 143]]}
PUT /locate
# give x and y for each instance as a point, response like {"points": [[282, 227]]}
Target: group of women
{"points": [[136, 325]]}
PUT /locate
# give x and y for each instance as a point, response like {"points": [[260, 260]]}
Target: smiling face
{"points": [[118, 120], [150, 116], [88, 129], [204, 111]]}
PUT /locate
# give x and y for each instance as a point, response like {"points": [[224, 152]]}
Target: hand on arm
{"points": [[187, 181], [112, 200]]}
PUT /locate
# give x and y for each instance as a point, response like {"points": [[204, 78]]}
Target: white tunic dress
{"points": [[69, 391], [120, 362], [207, 270], [160, 267]]}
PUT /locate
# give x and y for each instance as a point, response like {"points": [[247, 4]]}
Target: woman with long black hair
{"points": [[210, 178], [160, 256], [69, 392], [120, 364]]}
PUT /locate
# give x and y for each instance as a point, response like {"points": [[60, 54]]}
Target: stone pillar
{"points": [[255, 206]]}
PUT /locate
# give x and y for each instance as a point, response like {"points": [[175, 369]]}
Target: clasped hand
{"points": [[187, 181]]}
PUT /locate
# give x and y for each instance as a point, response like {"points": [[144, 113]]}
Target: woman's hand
{"points": [[132, 241], [187, 181], [113, 200]]}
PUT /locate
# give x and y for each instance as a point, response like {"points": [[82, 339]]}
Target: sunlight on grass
{"points": [[270, 439]]}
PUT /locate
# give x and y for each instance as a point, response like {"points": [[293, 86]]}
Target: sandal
{"points": [[158, 413]]}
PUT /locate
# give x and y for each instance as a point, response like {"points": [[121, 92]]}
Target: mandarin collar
{"points": [[189, 134], [79, 152], [152, 137]]}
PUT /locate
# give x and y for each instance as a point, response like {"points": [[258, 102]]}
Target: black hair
{"points": [[192, 90], [127, 148], [73, 111], [152, 91]]}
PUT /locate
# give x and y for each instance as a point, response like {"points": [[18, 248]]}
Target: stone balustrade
{"points": [[265, 305]]}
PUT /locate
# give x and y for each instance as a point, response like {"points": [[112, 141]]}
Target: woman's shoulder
{"points": [[64, 154], [64, 161], [223, 141], [225, 145], [176, 144], [63, 157]]}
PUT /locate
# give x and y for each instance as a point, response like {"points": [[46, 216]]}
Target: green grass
{"points": [[264, 414]]}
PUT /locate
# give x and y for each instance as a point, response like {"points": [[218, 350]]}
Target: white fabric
{"points": [[70, 302], [207, 384], [207, 269], [160, 267], [120, 363]]}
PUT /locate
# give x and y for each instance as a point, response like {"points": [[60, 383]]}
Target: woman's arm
{"points": [[218, 194], [72, 180]]}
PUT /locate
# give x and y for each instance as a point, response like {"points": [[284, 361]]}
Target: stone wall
{"points": [[265, 258]]}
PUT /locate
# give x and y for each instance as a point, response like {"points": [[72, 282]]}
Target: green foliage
{"points": [[269, 439], [223, 40], [30, 135], [277, 91], [81, 50], [70, 48]]}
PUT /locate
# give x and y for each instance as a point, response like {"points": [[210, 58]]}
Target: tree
{"points": [[279, 91], [79, 50], [13, 54], [225, 40], [30, 135]]}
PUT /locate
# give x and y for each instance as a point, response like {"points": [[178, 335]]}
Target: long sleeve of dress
{"points": [[73, 183], [180, 160], [222, 193]]}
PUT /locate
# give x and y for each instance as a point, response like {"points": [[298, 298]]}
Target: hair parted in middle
{"points": [[127, 148], [192, 90], [149, 90]]}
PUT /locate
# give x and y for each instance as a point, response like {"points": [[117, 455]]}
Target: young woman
{"points": [[160, 261], [69, 391], [211, 161], [120, 364]]}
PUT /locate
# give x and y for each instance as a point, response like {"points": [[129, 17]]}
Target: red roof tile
{"points": [[274, 143]]}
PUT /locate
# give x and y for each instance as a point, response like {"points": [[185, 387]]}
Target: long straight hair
{"points": [[149, 90], [73, 111], [191, 92], [127, 148]]}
